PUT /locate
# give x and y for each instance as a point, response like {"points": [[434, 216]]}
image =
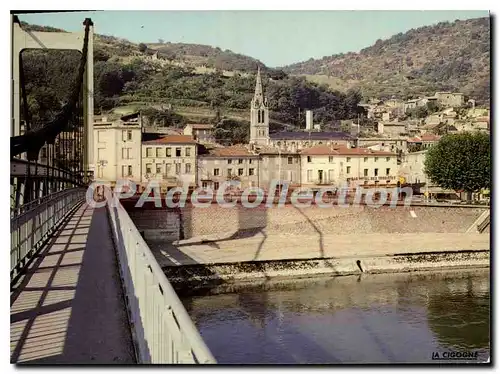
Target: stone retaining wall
{"points": [[163, 223]]}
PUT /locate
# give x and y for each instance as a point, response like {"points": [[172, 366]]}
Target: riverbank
{"points": [[260, 258]]}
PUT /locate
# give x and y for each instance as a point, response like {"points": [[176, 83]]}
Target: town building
{"points": [[339, 165], [412, 171], [450, 99], [117, 145], [423, 142], [170, 160], [278, 165], [392, 129], [222, 164], [202, 133], [395, 144]]}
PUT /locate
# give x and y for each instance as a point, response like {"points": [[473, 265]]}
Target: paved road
{"points": [[69, 307], [261, 246]]}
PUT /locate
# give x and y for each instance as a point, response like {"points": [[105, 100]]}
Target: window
{"points": [[240, 172], [158, 169], [388, 159], [348, 159], [251, 171], [290, 160], [44, 152], [148, 168], [149, 152], [376, 183], [229, 172], [387, 171], [188, 151], [169, 169], [101, 135], [365, 159], [126, 153], [376, 159], [126, 135], [240, 161], [365, 172], [216, 172], [216, 186], [204, 184], [330, 159], [365, 182], [348, 170], [375, 172], [308, 158], [250, 161], [229, 161], [330, 175], [309, 175], [177, 152], [101, 154], [159, 152], [188, 168], [388, 182], [177, 169], [124, 171], [169, 152]]}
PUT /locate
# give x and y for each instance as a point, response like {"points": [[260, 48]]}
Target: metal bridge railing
{"points": [[33, 223], [162, 329]]}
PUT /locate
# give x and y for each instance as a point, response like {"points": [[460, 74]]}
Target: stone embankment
{"points": [[217, 245], [164, 224]]}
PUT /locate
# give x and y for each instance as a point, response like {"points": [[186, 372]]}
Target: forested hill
{"points": [[447, 56], [175, 89], [190, 55]]}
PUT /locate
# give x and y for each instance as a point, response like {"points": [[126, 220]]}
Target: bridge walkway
{"points": [[68, 308]]}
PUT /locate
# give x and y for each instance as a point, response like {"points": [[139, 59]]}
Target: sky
{"points": [[276, 38]]}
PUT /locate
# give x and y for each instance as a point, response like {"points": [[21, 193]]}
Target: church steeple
{"points": [[259, 114], [258, 98]]}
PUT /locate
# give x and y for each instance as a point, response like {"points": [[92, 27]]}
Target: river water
{"points": [[383, 318]]}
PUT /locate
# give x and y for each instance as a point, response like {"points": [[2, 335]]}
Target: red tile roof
{"points": [[339, 151], [424, 138], [173, 139], [233, 151]]}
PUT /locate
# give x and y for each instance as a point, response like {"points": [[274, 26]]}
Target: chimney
{"points": [[309, 120]]}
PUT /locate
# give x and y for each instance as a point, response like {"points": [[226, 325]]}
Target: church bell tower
{"points": [[259, 115]]}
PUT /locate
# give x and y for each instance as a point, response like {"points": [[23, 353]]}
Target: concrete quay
{"points": [[219, 259]]}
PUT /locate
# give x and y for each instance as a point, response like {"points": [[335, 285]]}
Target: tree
{"points": [[461, 162], [143, 47], [161, 41]]}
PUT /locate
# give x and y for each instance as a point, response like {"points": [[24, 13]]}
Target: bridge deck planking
{"points": [[69, 307]]}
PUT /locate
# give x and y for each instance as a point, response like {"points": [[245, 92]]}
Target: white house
{"points": [[117, 148], [337, 165]]}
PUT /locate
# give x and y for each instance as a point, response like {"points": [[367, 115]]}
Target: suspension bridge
{"points": [[85, 287]]}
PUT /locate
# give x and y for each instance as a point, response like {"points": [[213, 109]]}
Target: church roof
{"points": [[303, 135]]}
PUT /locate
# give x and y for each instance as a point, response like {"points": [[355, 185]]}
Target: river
{"points": [[373, 318]]}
